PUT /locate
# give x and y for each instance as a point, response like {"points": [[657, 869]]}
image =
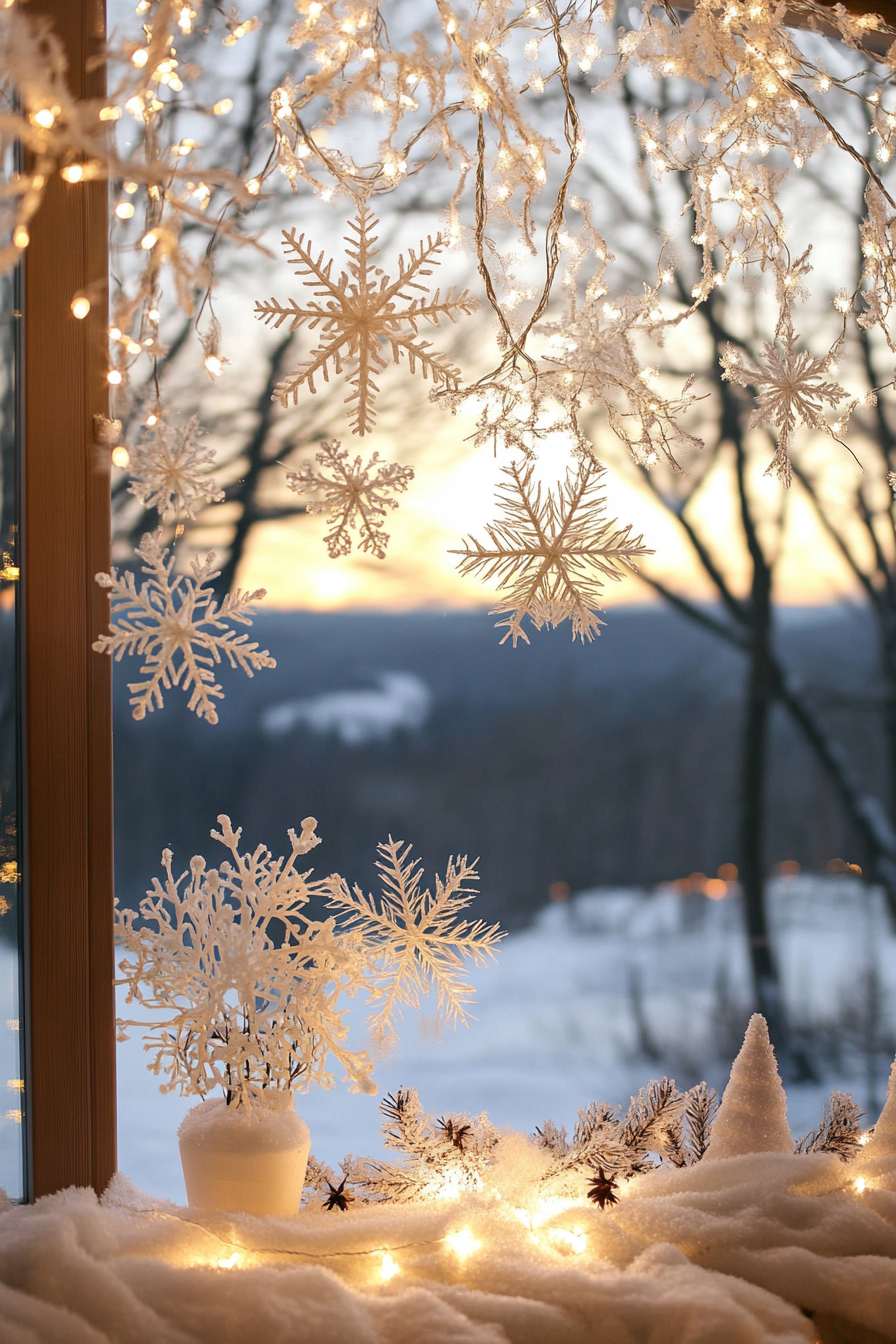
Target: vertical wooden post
{"points": [[70, 1083]]}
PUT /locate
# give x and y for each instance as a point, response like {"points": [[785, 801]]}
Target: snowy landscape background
{"points": [[598, 996], [611, 769]]}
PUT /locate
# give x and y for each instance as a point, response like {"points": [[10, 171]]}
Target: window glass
{"points": [[683, 820], [12, 1102]]}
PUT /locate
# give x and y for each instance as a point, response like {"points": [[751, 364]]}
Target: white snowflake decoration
{"points": [[551, 551], [179, 629], [355, 495], [363, 314], [791, 388], [168, 470], [245, 1008]]}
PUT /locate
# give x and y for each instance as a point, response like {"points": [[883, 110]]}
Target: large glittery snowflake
{"points": [[246, 986], [363, 316], [179, 629], [791, 389], [169, 470], [551, 551], [355, 495]]}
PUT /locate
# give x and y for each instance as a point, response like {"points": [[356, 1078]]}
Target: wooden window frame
{"points": [[67, 688]]}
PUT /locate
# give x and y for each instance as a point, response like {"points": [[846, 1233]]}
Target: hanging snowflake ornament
{"points": [[169, 470], [364, 315], [791, 389], [355, 495], [179, 629], [246, 986], [551, 551]]}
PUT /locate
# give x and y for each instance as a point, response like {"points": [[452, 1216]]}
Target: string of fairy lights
{"points": [[388, 1260]]}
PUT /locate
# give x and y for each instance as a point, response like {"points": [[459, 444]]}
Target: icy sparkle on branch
{"points": [[179, 629], [246, 985], [663, 1128], [551, 550], [363, 314], [354, 496]]}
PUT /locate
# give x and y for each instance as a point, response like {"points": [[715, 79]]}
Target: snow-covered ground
{"points": [[601, 994]]}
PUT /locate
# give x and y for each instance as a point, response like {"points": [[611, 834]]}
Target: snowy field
{"points": [[600, 995]]}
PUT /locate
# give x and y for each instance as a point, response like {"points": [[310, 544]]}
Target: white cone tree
{"points": [[753, 1115], [883, 1141]]}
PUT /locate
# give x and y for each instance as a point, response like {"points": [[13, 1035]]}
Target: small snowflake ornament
{"points": [[791, 389], [179, 629], [169, 470], [355, 495], [551, 551], [364, 315], [602, 1189], [338, 1197]]}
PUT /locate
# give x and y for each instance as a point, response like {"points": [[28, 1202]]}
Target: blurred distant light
{"points": [[836, 867], [727, 872], [697, 881], [559, 891], [715, 888], [788, 868]]}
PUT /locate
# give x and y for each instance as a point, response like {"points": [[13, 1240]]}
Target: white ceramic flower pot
{"points": [[242, 1163]]}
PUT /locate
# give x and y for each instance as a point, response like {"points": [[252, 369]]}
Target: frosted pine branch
{"points": [[839, 1132], [438, 1158]]}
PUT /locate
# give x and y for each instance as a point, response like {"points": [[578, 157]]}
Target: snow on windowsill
{"points": [[742, 1249]]}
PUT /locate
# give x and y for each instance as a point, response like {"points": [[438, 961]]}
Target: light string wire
{"points": [[282, 1250]]}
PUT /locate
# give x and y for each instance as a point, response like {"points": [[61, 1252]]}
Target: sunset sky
{"points": [[452, 495]]}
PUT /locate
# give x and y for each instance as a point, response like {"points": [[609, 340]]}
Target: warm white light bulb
{"points": [[462, 1243], [222, 107], [21, 237], [214, 365], [121, 457], [388, 1269], [253, 186], [149, 240], [80, 306], [140, 57], [124, 210], [113, 377], [73, 173]]}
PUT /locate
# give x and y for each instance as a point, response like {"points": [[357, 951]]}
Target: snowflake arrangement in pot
{"points": [[246, 987]]}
